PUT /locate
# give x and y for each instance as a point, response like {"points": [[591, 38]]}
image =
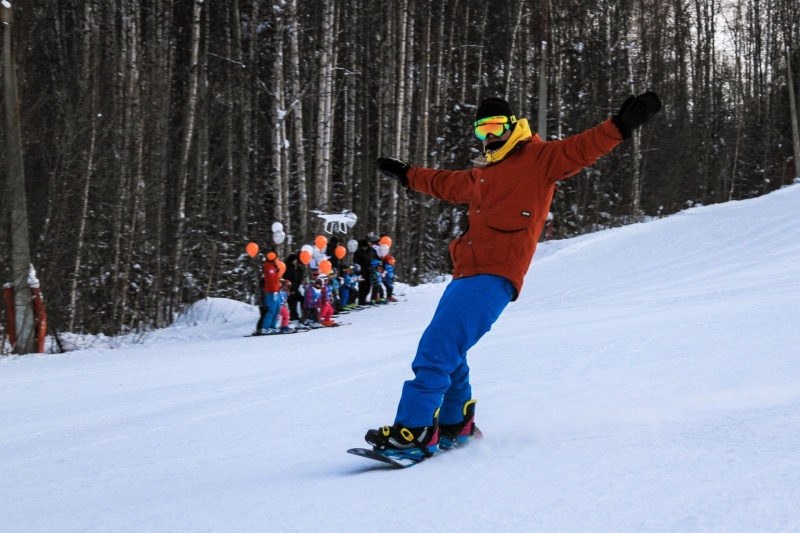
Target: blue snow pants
{"points": [[272, 300], [465, 313]]}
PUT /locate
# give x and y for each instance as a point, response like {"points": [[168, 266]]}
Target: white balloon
{"points": [[351, 222], [276, 227], [278, 237], [383, 250], [308, 248], [352, 245], [316, 253]]}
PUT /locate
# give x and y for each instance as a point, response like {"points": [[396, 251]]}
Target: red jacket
{"points": [[272, 277], [509, 201]]}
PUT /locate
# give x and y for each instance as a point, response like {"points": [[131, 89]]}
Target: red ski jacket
{"points": [[509, 201], [272, 277]]}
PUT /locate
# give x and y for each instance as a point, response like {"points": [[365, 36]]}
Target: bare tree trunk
{"points": [[402, 229], [88, 72], [422, 150], [542, 122], [230, 93], [186, 145], [162, 78], [479, 79], [278, 110], [793, 113], [322, 164], [511, 47], [20, 243], [243, 104], [349, 118], [135, 114], [297, 113], [636, 186], [399, 111], [122, 139]]}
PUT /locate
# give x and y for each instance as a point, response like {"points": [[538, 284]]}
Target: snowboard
{"points": [[396, 462], [406, 463]]}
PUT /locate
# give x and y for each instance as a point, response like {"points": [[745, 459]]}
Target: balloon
{"points": [[352, 219], [316, 254], [386, 240], [305, 257], [252, 249], [307, 248], [321, 242], [276, 227], [352, 245], [325, 267], [341, 251], [383, 250], [281, 267], [278, 236]]}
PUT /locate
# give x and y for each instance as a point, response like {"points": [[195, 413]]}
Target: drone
{"points": [[338, 221]]}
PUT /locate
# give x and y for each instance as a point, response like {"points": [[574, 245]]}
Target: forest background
{"points": [[159, 137]]}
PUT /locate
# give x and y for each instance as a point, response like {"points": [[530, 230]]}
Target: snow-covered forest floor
{"points": [[648, 379]]}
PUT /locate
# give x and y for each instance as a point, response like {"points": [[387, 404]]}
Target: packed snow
{"points": [[648, 379]]}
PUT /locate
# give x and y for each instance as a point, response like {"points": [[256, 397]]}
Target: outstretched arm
{"points": [[566, 158], [450, 185]]}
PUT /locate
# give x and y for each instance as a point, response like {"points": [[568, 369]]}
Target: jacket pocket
{"points": [[508, 233], [507, 223]]}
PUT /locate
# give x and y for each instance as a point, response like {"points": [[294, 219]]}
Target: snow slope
{"points": [[648, 379]]}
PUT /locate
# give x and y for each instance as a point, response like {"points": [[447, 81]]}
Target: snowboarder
{"points": [[509, 190]]}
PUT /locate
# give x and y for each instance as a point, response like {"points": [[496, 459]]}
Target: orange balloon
{"points": [[321, 242], [281, 267], [340, 252], [252, 249], [386, 240], [305, 257], [325, 266]]}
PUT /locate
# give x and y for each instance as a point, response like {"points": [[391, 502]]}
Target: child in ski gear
{"points": [[375, 281], [375, 243], [294, 274], [362, 258], [311, 303], [335, 291], [509, 190], [344, 288], [325, 307], [354, 280], [388, 277], [271, 287], [286, 287]]}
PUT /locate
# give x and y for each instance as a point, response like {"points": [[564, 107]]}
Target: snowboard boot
{"points": [[451, 435], [406, 443]]}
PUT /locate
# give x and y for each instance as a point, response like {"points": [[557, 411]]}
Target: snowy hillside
{"points": [[648, 379]]}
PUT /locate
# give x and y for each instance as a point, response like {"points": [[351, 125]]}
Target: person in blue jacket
{"points": [[388, 277], [375, 281]]}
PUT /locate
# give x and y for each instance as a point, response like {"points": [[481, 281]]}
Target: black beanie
{"points": [[493, 107]]}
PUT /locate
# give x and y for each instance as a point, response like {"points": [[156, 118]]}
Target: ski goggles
{"points": [[496, 126]]}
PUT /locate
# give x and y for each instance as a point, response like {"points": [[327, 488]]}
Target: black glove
{"points": [[635, 111], [394, 169]]}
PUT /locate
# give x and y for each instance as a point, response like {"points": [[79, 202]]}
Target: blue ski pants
{"points": [[272, 300], [467, 310]]}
